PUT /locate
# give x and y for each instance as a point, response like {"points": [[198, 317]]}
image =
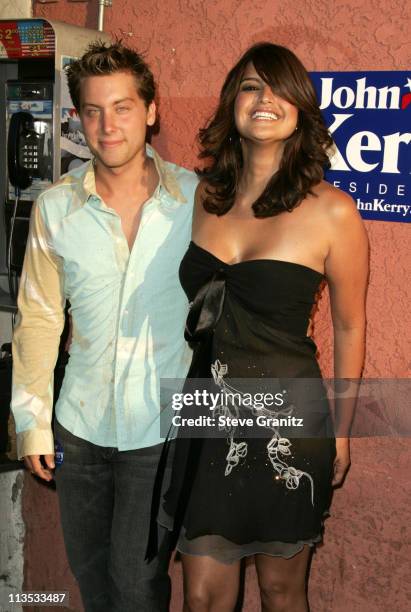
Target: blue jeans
{"points": [[105, 498]]}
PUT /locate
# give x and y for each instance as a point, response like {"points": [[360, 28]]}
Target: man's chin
{"points": [[113, 162], [110, 163]]}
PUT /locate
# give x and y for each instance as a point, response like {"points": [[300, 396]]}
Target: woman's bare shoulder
{"points": [[333, 204]]}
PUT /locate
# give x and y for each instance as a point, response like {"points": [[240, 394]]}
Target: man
{"points": [[108, 237]]}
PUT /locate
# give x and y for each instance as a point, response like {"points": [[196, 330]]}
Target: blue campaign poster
{"points": [[369, 117]]}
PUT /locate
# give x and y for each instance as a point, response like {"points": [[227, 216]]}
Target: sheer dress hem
{"points": [[227, 552]]}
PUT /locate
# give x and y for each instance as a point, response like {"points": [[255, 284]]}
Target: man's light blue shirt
{"points": [[128, 312]]}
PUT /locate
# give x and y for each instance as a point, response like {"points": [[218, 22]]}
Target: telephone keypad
{"points": [[30, 156]]}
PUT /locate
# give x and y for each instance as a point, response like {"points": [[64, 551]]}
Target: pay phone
{"points": [[29, 120], [22, 138], [30, 137]]}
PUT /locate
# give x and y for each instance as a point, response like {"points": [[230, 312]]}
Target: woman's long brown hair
{"points": [[305, 152]]}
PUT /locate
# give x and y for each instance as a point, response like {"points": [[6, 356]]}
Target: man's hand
{"points": [[342, 461], [33, 463]]}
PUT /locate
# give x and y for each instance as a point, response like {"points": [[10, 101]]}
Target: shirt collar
{"points": [[166, 172]]}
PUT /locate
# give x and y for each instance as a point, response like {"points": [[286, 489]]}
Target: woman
{"points": [[266, 231]]}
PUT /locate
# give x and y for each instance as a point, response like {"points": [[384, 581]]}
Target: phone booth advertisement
{"points": [[26, 38]]}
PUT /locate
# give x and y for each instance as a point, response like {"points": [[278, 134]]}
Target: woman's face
{"points": [[261, 115]]}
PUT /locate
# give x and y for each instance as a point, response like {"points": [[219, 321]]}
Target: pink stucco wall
{"points": [[363, 565]]}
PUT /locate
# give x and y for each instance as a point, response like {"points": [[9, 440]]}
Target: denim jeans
{"points": [[105, 499]]}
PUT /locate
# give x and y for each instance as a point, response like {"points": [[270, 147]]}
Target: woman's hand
{"points": [[342, 461]]}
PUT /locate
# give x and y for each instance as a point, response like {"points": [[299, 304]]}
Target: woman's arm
{"points": [[346, 268]]}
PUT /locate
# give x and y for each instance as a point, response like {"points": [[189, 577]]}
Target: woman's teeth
{"points": [[264, 115]]}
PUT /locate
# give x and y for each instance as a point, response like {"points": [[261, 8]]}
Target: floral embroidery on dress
{"points": [[277, 448]]}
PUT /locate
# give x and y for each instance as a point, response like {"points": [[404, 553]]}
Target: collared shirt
{"points": [[128, 312]]}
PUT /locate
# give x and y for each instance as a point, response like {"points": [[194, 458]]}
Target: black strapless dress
{"points": [[236, 496]]}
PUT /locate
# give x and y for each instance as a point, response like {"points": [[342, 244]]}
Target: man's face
{"points": [[114, 118]]}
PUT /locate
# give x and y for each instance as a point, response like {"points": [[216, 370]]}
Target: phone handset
{"points": [[21, 133]]}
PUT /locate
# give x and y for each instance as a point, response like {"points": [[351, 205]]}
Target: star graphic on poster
{"points": [[406, 98]]}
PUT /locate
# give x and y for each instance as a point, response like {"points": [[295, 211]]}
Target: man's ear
{"points": [[151, 113]]}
